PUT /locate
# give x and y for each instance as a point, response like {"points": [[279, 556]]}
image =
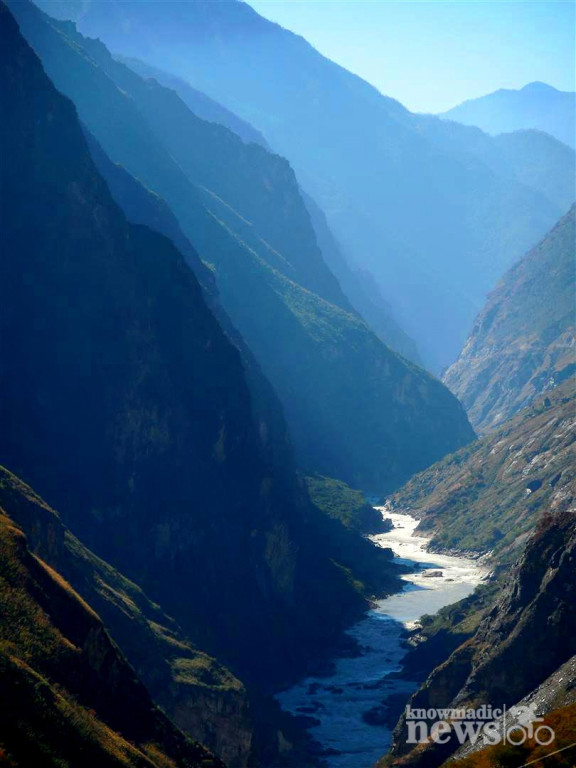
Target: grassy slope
{"points": [[349, 506], [69, 697], [200, 695], [563, 723], [489, 494]]}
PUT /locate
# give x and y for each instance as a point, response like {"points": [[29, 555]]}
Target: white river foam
{"points": [[359, 684]]}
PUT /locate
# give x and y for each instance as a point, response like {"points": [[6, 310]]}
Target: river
{"points": [[338, 702]]}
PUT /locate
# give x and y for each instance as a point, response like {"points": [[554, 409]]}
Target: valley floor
{"points": [[352, 709]]}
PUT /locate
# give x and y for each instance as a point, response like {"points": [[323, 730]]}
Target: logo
{"points": [[487, 725]]}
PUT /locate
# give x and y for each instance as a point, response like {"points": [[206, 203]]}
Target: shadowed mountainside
{"points": [[360, 288], [200, 696], [68, 695], [356, 410], [125, 404]]}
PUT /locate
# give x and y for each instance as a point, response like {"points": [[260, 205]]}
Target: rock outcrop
{"points": [[489, 495], [523, 640], [68, 695], [523, 342]]}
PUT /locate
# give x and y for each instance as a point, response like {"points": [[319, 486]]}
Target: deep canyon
{"points": [[347, 705]]}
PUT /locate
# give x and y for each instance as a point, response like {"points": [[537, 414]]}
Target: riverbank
{"points": [[350, 708]]}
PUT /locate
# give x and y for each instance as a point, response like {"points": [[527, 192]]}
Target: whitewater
{"points": [[339, 703]]}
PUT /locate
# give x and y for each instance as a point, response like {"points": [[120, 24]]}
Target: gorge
{"points": [[354, 705], [243, 521]]}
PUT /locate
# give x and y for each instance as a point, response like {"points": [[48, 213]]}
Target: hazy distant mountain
{"points": [[524, 340], [199, 103], [356, 410], [537, 105], [359, 287], [433, 222]]}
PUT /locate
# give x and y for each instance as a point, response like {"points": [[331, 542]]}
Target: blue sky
{"points": [[433, 55]]}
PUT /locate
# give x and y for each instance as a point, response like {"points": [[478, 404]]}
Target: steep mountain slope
{"points": [[523, 342], [360, 288], [526, 637], [200, 696], [343, 503], [540, 161], [200, 104], [356, 410], [125, 404], [537, 105], [562, 721], [435, 225], [68, 696], [532, 158], [489, 495], [363, 296]]}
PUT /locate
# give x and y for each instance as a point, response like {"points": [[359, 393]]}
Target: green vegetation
{"points": [[202, 670], [560, 754], [189, 685], [489, 495], [69, 698], [340, 502]]}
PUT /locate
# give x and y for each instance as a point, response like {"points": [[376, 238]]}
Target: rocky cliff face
{"points": [[355, 409], [68, 695], [523, 342], [522, 641], [124, 403], [199, 695], [489, 495]]}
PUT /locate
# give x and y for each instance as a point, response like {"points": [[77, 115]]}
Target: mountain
{"points": [[523, 342], [488, 496], [199, 695], [533, 159], [560, 720], [126, 405], [436, 225], [200, 104], [537, 105], [343, 503], [68, 696], [356, 410], [358, 286], [511, 497], [519, 650]]}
